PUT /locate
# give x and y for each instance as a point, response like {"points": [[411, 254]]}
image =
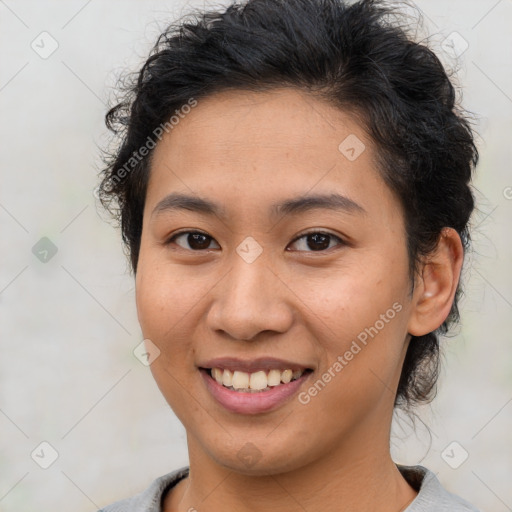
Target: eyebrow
{"points": [[177, 201]]}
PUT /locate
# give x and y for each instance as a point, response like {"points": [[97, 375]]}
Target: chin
{"points": [[261, 457]]}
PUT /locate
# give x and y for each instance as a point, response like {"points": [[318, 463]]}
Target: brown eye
{"points": [[318, 241], [315, 241], [196, 240]]}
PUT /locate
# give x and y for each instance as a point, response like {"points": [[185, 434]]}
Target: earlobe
{"points": [[437, 284]]}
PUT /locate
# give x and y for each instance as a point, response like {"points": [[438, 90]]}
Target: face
{"points": [[263, 280]]}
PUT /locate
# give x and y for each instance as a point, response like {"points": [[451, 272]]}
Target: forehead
{"points": [[273, 120], [246, 147]]}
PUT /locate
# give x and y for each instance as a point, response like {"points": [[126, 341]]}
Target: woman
{"points": [[293, 186]]}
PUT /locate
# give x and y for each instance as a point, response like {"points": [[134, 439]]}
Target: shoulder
{"points": [[432, 496], [149, 500]]}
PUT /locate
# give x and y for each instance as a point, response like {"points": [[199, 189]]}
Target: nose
{"points": [[252, 298]]}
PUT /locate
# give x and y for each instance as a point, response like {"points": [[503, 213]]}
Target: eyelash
{"points": [[302, 235]]}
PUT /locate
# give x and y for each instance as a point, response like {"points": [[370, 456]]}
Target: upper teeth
{"points": [[257, 381]]}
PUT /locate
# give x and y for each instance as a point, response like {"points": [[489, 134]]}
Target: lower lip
{"points": [[252, 403]]}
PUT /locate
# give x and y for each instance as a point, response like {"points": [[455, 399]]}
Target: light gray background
{"points": [[68, 326]]}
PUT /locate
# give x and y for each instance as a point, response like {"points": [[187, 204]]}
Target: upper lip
{"points": [[252, 365]]}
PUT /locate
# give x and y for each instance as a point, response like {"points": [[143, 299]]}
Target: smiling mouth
{"points": [[255, 382]]}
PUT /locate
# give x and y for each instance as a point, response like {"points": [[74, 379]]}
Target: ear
{"points": [[436, 285]]}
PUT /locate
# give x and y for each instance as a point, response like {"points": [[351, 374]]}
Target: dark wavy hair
{"points": [[357, 56]]}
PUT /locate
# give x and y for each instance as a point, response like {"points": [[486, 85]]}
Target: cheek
{"points": [[360, 318], [348, 301], [164, 296], [360, 352], [162, 306]]}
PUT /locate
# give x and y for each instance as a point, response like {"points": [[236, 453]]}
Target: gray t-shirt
{"points": [[432, 496]]}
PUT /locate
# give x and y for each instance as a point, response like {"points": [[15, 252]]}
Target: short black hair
{"points": [[360, 58]]}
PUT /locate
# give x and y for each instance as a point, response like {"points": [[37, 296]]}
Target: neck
{"points": [[350, 478]]}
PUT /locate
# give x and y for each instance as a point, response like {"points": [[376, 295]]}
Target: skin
{"points": [[245, 151]]}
